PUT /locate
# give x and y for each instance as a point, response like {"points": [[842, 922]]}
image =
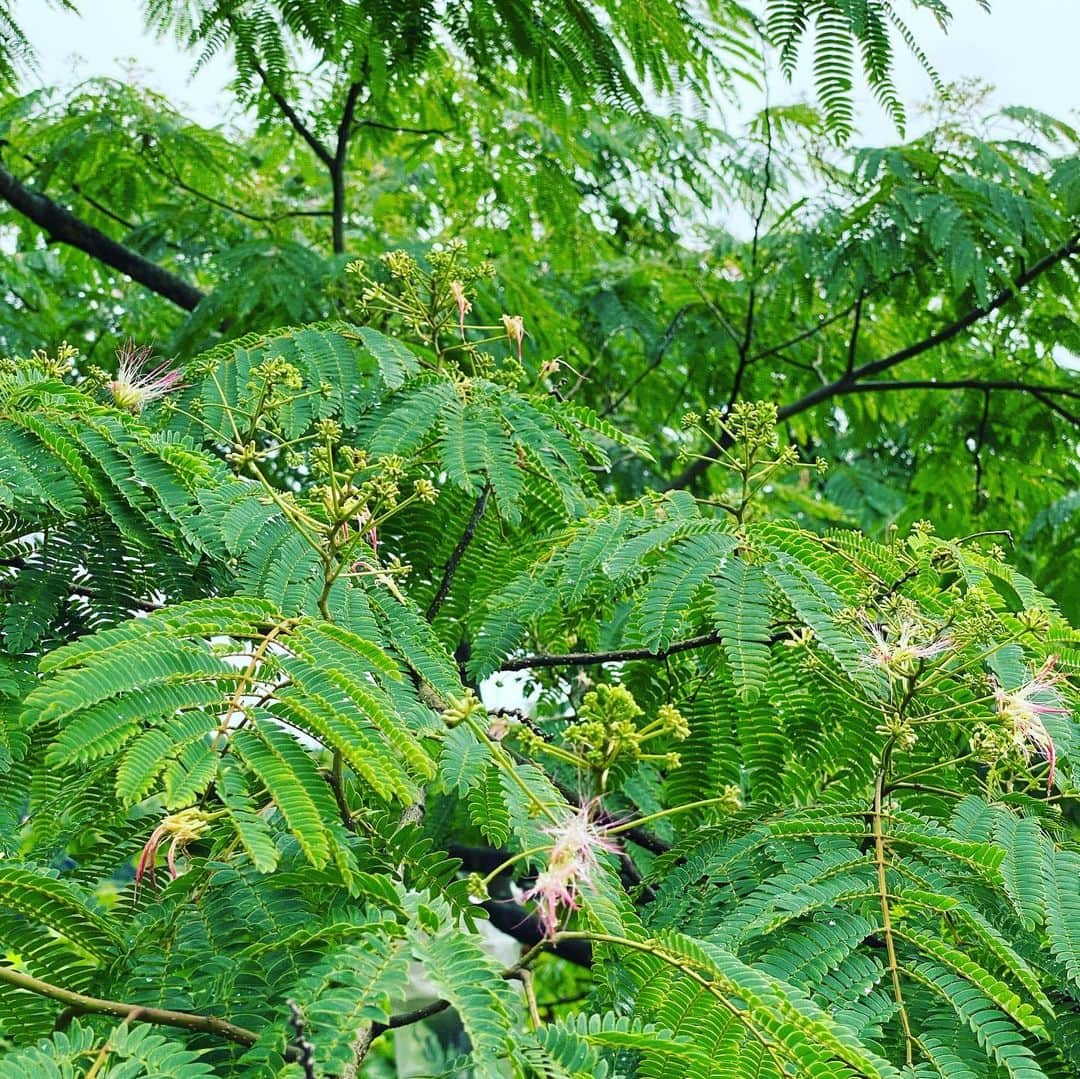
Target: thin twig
{"points": [[458, 553], [618, 655], [304, 1049], [665, 342], [856, 381]]}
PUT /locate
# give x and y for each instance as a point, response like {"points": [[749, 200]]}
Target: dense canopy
{"points": [[508, 571]]}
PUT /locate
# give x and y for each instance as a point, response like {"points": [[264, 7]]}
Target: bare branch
{"points": [[854, 381], [619, 655], [62, 226]]}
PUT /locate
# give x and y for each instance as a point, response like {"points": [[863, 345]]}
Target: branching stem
{"points": [[883, 897]]}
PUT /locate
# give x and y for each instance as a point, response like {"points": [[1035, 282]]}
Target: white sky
{"points": [[1026, 48]]}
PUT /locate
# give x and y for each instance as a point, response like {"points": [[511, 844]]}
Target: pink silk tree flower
{"points": [[134, 385], [182, 828], [901, 649], [572, 865], [1023, 709]]}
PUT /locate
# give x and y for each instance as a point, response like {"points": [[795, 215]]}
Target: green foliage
{"points": [[296, 746], [401, 686]]}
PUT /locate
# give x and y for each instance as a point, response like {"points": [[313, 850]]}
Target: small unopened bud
{"points": [[515, 330], [462, 708]]}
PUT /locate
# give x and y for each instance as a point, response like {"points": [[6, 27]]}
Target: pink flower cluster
{"points": [[891, 651], [135, 386], [572, 865], [1025, 707]]}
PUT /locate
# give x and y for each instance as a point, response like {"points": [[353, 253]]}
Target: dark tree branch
{"points": [[985, 384], [290, 114], [62, 226], [943, 336], [406, 1019], [619, 655], [509, 917], [1050, 403], [853, 340], [89, 199], [515, 921], [751, 302], [854, 381], [172, 174], [458, 553], [337, 165], [398, 129], [980, 439], [783, 346], [305, 1051], [824, 323]]}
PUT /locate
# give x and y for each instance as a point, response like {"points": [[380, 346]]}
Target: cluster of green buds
{"points": [[459, 709], [432, 299], [272, 384], [994, 746], [355, 494], [744, 441], [899, 729], [607, 730], [42, 365]]}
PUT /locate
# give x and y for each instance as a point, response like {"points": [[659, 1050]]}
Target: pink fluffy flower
{"points": [[134, 385], [1024, 709], [892, 651], [572, 865]]}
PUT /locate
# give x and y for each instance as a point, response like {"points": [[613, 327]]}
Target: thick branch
{"points": [[337, 165], [79, 1002], [517, 922], [62, 226], [850, 381]]}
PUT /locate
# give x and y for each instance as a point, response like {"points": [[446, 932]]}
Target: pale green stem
{"points": [[628, 825]]}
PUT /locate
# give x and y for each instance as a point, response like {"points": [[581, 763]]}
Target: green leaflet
{"points": [[470, 980], [741, 610]]}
